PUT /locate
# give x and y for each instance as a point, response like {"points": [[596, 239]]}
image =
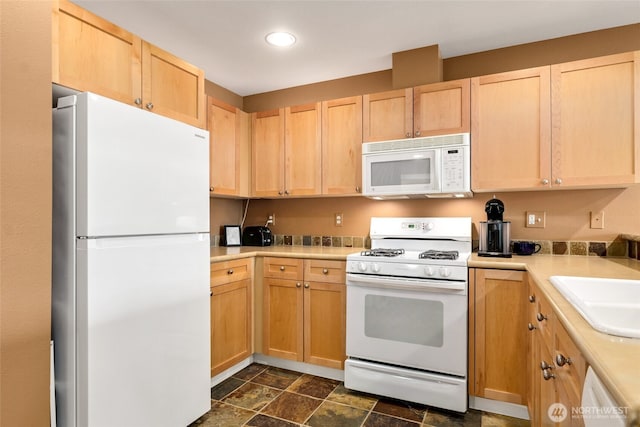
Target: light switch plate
{"points": [[597, 219], [535, 219]]}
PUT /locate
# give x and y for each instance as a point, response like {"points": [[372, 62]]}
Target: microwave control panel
{"points": [[453, 167]]}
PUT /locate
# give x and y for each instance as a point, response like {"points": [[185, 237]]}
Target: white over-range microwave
{"points": [[435, 166]]}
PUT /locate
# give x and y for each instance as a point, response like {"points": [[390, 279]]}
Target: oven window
{"points": [[397, 172], [408, 320]]}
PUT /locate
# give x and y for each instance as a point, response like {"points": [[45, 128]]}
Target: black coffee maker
{"points": [[495, 234]]}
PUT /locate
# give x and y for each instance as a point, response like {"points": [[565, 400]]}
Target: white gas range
{"points": [[407, 311]]}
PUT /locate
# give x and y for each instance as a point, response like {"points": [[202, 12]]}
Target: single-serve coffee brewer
{"points": [[495, 233]]}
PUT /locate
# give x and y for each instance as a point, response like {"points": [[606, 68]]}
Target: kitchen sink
{"points": [[611, 306]]}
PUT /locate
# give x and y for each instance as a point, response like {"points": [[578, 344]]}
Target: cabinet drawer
{"points": [[319, 270], [571, 366], [283, 268], [231, 271], [544, 319]]}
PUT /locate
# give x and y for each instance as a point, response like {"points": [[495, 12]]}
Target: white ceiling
{"points": [[339, 38]]}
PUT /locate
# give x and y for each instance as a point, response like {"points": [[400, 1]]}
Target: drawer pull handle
{"points": [[541, 317], [325, 271], [230, 271], [531, 327], [561, 360], [282, 268]]}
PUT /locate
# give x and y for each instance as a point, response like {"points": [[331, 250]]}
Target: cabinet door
{"points": [[283, 317], [267, 153], [511, 128], [172, 87], [442, 108], [387, 115], [303, 150], [223, 123], [500, 341], [324, 324], [595, 118], [91, 54], [342, 146], [231, 324]]}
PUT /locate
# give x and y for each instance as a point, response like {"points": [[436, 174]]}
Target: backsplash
{"points": [[625, 245]]}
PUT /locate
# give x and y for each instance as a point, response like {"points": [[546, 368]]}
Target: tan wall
{"points": [[586, 45], [25, 212], [222, 94], [567, 213]]}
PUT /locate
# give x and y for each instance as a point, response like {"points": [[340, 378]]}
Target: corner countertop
{"points": [[614, 359]]}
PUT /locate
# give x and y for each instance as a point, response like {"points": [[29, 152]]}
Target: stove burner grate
{"points": [[433, 254], [383, 252]]}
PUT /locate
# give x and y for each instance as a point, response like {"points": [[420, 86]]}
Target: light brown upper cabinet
{"points": [[387, 115], [442, 108], [427, 110], [570, 125], [229, 149], [511, 130], [287, 154], [267, 153], [92, 54], [342, 146], [595, 108]]}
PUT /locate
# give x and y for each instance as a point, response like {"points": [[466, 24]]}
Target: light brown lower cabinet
{"points": [[305, 310], [497, 343], [556, 367], [231, 313]]}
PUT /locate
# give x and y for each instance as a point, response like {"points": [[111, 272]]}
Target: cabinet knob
{"points": [[230, 271], [532, 298], [137, 101], [408, 135], [298, 285], [211, 189], [417, 133], [561, 360], [547, 375], [545, 181], [210, 293], [306, 285], [149, 106], [541, 317], [279, 193], [357, 189], [282, 268], [325, 271], [544, 366], [286, 192], [558, 181], [531, 327]]}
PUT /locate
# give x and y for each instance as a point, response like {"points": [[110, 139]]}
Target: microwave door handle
{"points": [[407, 284]]}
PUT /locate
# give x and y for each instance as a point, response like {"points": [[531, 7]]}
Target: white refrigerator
{"points": [[130, 282]]}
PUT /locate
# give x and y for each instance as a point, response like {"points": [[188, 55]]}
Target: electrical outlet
{"points": [[339, 219], [597, 219], [271, 219], [535, 219]]}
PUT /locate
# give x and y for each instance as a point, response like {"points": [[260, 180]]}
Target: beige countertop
{"points": [[616, 360]]}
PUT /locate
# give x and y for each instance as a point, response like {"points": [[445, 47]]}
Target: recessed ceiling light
{"points": [[281, 39]]}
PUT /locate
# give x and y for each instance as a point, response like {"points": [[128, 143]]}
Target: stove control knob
{"points": [[362, 266], [445, 272], [428, 226], [429, 271], [375, 268]]}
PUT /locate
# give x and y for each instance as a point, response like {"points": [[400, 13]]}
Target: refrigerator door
{"points": [[143, 352], [137, 173]]}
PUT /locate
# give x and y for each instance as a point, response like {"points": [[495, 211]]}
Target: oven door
{"points": [[397, 173], [408, 322]]}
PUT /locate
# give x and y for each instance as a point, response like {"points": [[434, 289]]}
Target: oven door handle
{"points": [[367, 281]]}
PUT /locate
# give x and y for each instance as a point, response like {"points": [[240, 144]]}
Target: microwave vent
{"points": [[413, 143]]}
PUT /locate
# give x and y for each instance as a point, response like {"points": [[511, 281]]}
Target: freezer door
{"points": [[138, 172], [143, 347]]}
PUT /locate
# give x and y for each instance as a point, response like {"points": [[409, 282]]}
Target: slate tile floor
{"points": [[263, 396]]}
